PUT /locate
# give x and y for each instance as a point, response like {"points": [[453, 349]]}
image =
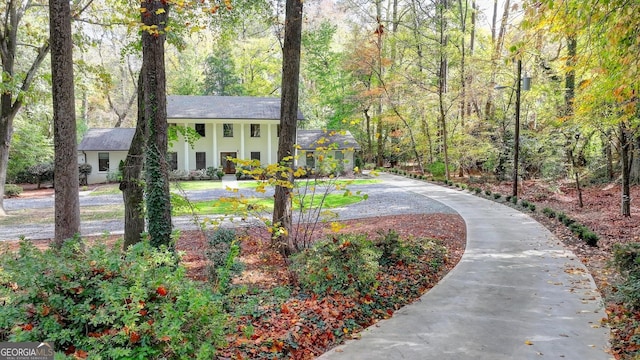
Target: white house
{"points": [[229, 127]]}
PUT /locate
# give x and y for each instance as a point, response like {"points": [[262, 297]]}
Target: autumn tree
{"points": [[67, 202], [288, 123]]}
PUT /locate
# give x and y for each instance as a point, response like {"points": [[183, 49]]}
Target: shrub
{"points": [[408, 251], [219, 174], [508, 198], [40, 173], [222, 253], [12, 190], [487, 192], [514, 200], [524, 203], [84, 170], [497, 196], [105, 303], [114, 176], [532, 207], [211, 172], [477, 190], [626, 259], [437, 169], [550, 213], [590, 238], [346, 264]]}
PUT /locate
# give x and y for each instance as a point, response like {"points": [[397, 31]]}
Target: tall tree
{"points": [[16, 80], [288, 122], [131, 185], [154, 19], [67, 202]]}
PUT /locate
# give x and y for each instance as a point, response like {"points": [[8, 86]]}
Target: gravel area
{"points": [[383, 199]]}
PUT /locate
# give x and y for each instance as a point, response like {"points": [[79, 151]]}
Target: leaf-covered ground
{"points": [[297, 325]]}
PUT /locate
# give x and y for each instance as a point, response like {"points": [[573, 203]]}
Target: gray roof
{"points": [[224, 107], [119, 139], [116, 139], [311, 139]]}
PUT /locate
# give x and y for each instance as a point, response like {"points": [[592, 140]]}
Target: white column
{"points": [[216, 156], [241, 155], [269, 145], [186, 150]]}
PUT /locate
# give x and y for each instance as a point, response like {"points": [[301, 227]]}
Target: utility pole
{"points": [[516, 146]]}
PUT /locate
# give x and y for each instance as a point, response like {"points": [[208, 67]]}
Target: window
{"points": [[103, 161], [339, 155], [200, 129], [255, 155], [255, 130], [227, 130], [311, 160], [172, 159], [201, 160]]}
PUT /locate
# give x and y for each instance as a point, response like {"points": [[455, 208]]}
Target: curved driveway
{"points": [[516, 294]]}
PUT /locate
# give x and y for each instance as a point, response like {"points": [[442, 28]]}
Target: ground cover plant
{"points": [[255, 312]]}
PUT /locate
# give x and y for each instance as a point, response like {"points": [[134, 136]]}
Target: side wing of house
{"points": [[104, 149], [319, 149]]}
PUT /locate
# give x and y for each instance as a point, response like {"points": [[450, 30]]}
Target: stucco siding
{"points": [[98, 176]]}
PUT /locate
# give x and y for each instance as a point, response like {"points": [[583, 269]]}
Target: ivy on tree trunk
{"points": [[154, 17]]}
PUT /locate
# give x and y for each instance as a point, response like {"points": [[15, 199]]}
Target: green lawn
{"points": [[230, 205], [112, 189]]}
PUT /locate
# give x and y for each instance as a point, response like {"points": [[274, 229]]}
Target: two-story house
{"points": [[229, 127]]}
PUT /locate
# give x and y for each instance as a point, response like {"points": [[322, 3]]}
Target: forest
{"points": [[505, 90]]}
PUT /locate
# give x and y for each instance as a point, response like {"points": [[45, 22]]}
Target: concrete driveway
{"points": [[516, 294]]}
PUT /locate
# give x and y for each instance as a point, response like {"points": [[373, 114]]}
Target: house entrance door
{"points": [[227, 165]]}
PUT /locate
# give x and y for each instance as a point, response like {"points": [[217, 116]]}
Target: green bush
{"points": [[346, 264], [487, 192], [524, 203], [408, 251], [626, 259], [591, 238], [550, 213], [222, 252], [436, 169], [477, 190], [532, 207], [12, 190], [106, 303], [514, 200], [497, 196]]}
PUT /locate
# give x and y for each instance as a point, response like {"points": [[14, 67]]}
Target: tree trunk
{"points": [[609, 154], [131, 185], [155, 113], [634, 172], [498, 42], [625, 206], [282, 209], [10, 104], [67, 201], [442, 83]]}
